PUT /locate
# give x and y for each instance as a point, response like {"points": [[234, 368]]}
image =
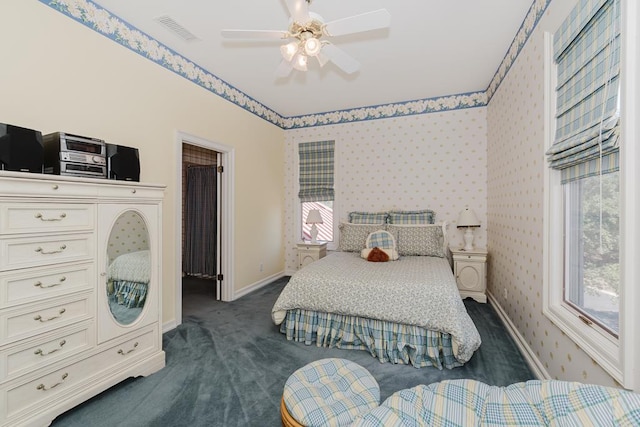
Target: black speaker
{"points": [[123, 163], [20, 149]]}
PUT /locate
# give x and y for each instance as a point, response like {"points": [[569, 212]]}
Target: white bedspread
{"points": [[131, 267], [415, 290]]}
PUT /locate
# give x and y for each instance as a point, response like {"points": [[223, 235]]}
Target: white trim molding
{"points": [[93, 16], [227, 213], [532, 360], [629, 161]]}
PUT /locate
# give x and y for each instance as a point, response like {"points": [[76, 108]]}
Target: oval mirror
{"points": [[128, 267]]}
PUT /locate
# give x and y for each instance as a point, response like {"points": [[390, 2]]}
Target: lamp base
{"points": [[314, 233], [468, 239]]}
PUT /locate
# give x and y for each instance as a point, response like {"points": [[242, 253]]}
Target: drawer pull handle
{"points": [[43, 286], [133, 191], [122, 352], [57, 251], [42, 218], [45, 388], [39, 351], [55, 186], [41, 320]]}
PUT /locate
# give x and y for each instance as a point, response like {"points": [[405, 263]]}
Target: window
{"points": [[592, 242], [325, 230], [583, 221], [316, 187]]}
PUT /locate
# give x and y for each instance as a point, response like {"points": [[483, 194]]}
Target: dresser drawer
{"points": [[35, 393], [132, 192], [24, 358], [25, 286], [45, 250], [30, 187], [39, 217], [29, 321]]}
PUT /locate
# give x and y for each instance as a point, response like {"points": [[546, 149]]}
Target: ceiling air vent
{"points": [[170, 24]]}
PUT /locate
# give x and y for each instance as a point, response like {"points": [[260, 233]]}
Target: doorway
{"points": [[204, 218], [201, 168]]}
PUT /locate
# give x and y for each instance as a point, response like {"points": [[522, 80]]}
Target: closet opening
{"points": [[201, 170], [204, 218]]}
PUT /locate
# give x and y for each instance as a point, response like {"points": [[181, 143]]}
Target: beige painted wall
{"points": [[58, 75], [516, 207]]}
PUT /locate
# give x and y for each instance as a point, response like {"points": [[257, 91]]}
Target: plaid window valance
{"points": [[316, 171], [587, 54]]}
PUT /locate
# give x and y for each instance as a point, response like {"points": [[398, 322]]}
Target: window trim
{"points": [[630, 201], [618, 357]]}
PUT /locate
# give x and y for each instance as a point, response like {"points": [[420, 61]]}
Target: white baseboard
{"points": [[534, 363], [255, 286], [167, 326]]}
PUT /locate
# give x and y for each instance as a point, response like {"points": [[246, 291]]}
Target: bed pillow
{"points": [[368, 217], [382, 240], [353, 237], [425, 216], [420, 240]]}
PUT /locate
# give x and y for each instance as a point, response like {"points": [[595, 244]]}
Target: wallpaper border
{"points": [[104, 22]]}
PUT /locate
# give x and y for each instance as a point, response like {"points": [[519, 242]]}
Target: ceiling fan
{"points": [[309, 33]]}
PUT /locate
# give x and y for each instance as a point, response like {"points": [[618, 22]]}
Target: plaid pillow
{"points": [[368, 217], [381, 239], [412, 217]]}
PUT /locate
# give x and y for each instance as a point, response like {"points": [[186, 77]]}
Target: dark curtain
{"points": [[199, 252]]}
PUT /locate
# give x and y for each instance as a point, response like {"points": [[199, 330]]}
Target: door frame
{"points": [[225, 221]]}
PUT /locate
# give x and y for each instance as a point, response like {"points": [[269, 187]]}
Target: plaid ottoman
{"points": [[328, 392]]}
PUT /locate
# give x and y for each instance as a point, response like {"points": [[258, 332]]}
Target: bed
{"points": [[128, 279], [407, 311]]}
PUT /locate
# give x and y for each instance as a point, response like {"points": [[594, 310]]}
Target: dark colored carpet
{"points": [[227, 364]]}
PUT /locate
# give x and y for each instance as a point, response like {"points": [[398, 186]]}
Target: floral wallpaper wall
{"points": [[515, 209], [436, 161]]}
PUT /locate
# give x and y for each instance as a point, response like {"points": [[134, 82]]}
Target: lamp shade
{"points": [[467, 218], [314, 217], [289, 50], [312, 46]]}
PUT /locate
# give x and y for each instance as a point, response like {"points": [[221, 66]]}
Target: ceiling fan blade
{"points": [[358, 23], [342, 60], [284, 69], [322, 59], [255, 34], [299, 10]]}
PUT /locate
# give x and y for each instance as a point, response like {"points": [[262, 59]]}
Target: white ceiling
{"points": [[433, 48]]}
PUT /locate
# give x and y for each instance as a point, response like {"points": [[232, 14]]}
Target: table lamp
{"points": [[468, 219]]}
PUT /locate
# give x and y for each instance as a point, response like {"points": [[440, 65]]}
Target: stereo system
{"points": [[73, 155], [60, 153]]}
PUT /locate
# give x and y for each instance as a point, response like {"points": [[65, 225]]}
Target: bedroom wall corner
{"points": [[436, 161], [515, 209]]}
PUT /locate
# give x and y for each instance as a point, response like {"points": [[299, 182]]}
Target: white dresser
{"points": [[80, 289]]}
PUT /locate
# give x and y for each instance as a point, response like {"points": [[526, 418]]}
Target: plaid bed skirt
{"points": [[387, 341], [129, 294]]}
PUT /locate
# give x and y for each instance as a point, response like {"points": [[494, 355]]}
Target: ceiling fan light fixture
{"points": [[289, 50], [300, 62], [312, 46]]}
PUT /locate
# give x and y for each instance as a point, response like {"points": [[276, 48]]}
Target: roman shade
{"points": [[587, 54], [316, 171]]}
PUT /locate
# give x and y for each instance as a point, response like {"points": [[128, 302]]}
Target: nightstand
{"points": [[309, 252], [470, 269]]}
